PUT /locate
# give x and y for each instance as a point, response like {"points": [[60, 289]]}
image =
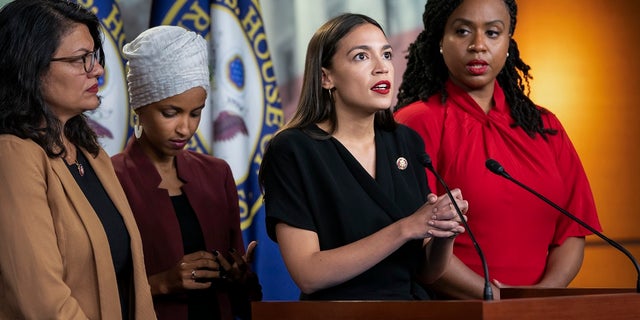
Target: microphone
{"points": [[425, 160], [495, 167]]}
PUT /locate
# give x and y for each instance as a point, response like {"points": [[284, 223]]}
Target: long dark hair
{"points": [[315, 104], [30, 33], [427, 73]]}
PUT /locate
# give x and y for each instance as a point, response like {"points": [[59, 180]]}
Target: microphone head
{"points": [[495, 167], [425, 160]]}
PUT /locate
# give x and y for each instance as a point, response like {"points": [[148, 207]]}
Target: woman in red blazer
{"points": [[185, 203]]}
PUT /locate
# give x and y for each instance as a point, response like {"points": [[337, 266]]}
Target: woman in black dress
{"points": [[346, 197]]}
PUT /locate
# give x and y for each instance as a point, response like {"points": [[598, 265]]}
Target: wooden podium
{"points": [[546, 304]]}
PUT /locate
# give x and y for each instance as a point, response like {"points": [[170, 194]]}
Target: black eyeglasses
{"points": [[88, 60]]}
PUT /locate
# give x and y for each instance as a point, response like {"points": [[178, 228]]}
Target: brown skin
{"points": [[167, 126], [477, 32]]}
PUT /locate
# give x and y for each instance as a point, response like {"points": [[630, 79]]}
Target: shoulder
{"points": [[122, 163], [14, 147], [406, 132], [290, 134], [421, 108], [118, 158], [405, 138], [418, 113], [549, 119], [291, 139], [21, 158], [103, 158], [15, 141]]}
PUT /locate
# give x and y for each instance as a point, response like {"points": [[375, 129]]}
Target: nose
{"points": [[382, 66], [186, 125], [477, 43], [182, 126], [98, 70]]}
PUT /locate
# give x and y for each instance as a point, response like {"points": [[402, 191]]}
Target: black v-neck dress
{"points": [[317, 185]]}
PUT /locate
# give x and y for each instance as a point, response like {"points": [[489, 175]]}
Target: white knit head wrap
{"points": [[165, 61]]}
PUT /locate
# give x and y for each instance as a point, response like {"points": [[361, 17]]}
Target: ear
{"points": [[136, 116], [327, 82]]}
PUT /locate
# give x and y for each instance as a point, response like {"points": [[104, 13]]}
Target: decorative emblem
{"points": [[402, 163]]}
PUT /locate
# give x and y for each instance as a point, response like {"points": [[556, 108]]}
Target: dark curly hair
{"points": [[30, 33], [427, 73]]}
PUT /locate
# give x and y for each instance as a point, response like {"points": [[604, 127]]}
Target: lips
{"points": [[178, 144], [477, 67], [382, 87], [93, 88]]}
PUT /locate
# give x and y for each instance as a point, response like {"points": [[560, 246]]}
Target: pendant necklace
{"points": [[79, 167], [75, 162]]}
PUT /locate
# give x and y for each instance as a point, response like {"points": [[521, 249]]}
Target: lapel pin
{"points": [[402, 163]]}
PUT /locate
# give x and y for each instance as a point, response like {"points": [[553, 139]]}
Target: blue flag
{"points": [[246, 113], [112, 120]]}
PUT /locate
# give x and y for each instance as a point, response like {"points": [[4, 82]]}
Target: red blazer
{"points": [[211, 190]]}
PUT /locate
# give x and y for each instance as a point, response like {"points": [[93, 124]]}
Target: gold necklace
{"points": [[75, 161], [79, 167]]}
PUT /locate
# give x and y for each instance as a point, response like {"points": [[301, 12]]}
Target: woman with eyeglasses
{"points": [[69, 245]]}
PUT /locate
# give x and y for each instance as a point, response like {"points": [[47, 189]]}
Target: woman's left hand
{"points": [[445, 220], [239, 269], [240, 272]]}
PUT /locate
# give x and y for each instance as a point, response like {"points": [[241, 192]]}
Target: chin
{"points": [[383, 107], [92, 106], [171, 152]]}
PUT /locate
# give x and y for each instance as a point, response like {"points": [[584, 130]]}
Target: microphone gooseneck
{"points": [[495, 167], [425, 160]]}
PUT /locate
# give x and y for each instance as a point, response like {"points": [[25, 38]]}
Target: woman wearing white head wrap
{"points": [[185, 203]]}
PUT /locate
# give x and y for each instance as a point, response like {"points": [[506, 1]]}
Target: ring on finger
{"points": [[193, 274]]}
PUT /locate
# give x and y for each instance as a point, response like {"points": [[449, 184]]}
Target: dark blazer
{"points": [[211, 190], [55, 261]]}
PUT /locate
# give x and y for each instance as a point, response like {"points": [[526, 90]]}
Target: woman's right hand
{"points": [[193, 271], [438, 217]]}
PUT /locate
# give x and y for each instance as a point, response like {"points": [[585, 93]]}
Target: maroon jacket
{"points": [[211, 190]]}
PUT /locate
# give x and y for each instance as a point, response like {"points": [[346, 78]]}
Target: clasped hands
{"points": [[438, 217]]}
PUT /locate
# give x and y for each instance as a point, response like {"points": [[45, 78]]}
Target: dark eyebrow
{"points": [[179, 108], [367, 48], [492, 22]]}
